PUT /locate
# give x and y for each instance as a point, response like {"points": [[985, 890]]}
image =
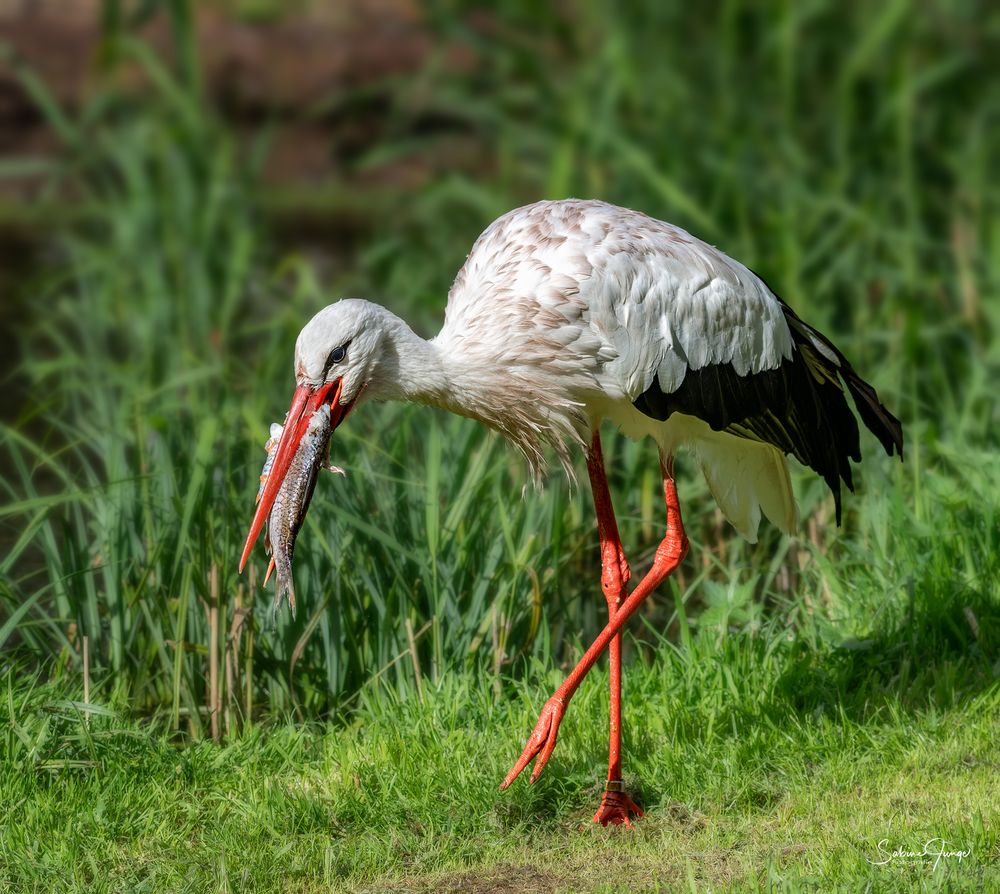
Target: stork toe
{"points": [[541, 742], [617, 808]]}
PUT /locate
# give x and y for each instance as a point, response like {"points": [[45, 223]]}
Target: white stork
{"points": [[567, 313]]}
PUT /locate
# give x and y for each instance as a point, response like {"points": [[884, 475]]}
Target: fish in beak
{"points": [[305, 403]]}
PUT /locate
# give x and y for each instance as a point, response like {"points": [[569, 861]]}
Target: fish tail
{"points": [[284, 590]]}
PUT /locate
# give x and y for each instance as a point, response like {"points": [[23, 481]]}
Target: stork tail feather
{"points": [[880, 422]]}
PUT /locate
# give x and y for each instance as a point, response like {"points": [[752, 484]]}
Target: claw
{"points": [[541, 742], [617, 807]]}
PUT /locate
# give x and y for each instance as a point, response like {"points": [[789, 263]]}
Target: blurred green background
{"points": [[184, 185]]}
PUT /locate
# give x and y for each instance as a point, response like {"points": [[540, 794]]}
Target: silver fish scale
{"points": [[292, 501]]}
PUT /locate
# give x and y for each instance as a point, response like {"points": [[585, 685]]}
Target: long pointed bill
{"points": [[306, 400]]}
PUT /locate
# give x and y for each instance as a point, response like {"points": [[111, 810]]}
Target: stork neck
{"points": [[458, 374], [414, 370], [435, 374]]}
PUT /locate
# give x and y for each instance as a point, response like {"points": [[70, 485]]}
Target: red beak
{"points": [[306, 400]]}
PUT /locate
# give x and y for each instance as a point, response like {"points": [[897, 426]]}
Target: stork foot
{"points": [[617, 807], [541, 742]]}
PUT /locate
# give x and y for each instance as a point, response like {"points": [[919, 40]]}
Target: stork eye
{"points": [[337, 355]]}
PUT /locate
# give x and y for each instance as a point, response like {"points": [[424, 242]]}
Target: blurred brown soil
{"points": [[301, 68]]}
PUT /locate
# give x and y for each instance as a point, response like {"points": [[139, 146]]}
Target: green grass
{"points": [[763, 763], [773, 747], [799, 699]]}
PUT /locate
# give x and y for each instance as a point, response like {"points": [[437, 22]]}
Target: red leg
{"points": [[668, 556], [616, 806]]}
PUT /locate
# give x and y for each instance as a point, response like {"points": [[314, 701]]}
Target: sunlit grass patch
{"points": [[404, 797]]}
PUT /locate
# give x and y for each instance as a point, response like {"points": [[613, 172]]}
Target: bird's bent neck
{"points": [[414, 369], [527, 405], [410, 368]]}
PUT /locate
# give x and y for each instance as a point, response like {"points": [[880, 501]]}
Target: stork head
{"points": [[336, 355], [341, 346]]}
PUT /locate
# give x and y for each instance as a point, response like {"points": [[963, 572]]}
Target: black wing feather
{"points": [[800, 407]]}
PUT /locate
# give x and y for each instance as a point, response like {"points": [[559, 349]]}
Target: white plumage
{"points": [[572, 312], [617, 298], [564, 313]]}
